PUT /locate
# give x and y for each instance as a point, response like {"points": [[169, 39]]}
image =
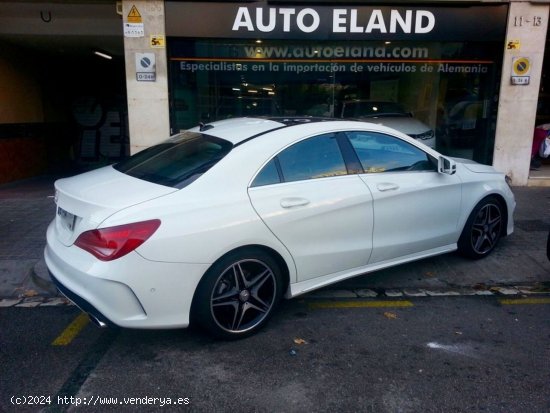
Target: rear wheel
{"points": [[483, 229], [238, 294]]}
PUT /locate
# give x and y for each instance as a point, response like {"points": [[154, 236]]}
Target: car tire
{"points": [[483, 229], [238, 294]]}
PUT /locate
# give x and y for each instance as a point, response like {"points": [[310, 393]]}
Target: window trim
{"points": [[279, 168], [351, 159]]}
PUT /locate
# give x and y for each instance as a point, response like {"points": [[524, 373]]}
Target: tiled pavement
{"points": [[26, 208]]}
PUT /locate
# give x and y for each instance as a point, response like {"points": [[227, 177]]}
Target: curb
{"points": [[362, 294], [32, 302], [478, 290]]}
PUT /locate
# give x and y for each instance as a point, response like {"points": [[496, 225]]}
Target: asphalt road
{"points": [[451, 354]]}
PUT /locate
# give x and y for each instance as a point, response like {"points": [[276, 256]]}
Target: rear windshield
{"points": [[178, 161]]}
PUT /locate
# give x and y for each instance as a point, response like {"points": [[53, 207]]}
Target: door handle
{"points": [[387, 186], [293, 202]]}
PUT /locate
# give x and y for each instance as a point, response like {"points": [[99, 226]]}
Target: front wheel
{"points": [[238, 294], [483, 229]]}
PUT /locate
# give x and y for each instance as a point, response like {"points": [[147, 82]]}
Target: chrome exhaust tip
{"points": [[97, 322]]}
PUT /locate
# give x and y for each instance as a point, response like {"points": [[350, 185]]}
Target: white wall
{"points": [[148, 111], [517, 107]]}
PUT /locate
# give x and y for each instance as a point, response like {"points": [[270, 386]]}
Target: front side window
{"points": [[178, 161], [383, 153]]}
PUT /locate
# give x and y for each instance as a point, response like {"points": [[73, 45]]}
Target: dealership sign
{"points": [[343, 20], [260, 20]]}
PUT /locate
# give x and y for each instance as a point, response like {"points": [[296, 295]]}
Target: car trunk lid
{"points": [[85, 201]]}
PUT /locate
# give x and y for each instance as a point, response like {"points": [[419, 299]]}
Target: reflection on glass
{"points": [[440, 93]]}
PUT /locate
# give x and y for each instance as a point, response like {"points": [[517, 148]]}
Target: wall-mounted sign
{"points": [[263, 20], [513, 45], [133, 26], [134, 30], [308, 20], [521, 66], [134, 16], [535, 21], [146, 70], [158, 41]]}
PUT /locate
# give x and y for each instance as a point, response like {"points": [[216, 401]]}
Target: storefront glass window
{"points": [[441, 92], [448, 88]]}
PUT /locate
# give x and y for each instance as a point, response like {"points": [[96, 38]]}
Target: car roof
{"points": [[241, 130], [238, 130]]}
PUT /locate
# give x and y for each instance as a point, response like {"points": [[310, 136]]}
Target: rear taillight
{"points": [[108, 244]]}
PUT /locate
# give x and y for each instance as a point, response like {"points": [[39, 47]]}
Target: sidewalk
{"points": [[27, 207]]}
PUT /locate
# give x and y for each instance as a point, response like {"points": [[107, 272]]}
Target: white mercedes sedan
{"points": [[215, 225]]}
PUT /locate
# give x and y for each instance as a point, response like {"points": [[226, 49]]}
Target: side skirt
{"points": [[315, 283]]}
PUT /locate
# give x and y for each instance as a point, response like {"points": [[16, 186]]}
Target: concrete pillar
{"points": [[148, 111], [527, 23]]}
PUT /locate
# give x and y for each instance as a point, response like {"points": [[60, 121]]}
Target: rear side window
{"points": [[268, 175], [178, 161], [317, 157]]}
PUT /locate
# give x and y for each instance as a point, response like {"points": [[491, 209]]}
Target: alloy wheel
{"points": [[486, 228], [243, 295]]}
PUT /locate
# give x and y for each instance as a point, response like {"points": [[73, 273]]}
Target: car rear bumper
{"points": [[99, 319], [129, 292]]}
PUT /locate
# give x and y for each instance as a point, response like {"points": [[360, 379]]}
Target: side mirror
{"points": [[446, 166]]}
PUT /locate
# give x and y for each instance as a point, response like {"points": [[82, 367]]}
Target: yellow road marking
{"points": [[360, 304], [520, 301], [72, 330]]}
